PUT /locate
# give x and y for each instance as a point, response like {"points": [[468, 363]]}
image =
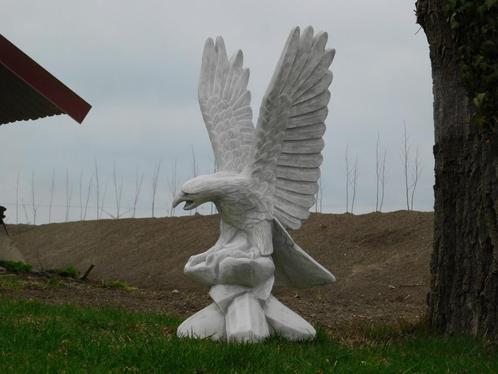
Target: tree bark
{"points": [[464, 265]]}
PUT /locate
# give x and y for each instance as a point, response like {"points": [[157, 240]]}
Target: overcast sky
{"points": [[137, 63]]}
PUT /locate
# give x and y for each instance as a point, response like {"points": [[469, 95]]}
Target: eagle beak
{"points": [[178, 199], [189, 202]]}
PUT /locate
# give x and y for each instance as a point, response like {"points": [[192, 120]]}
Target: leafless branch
{"points": [[194, 171], [26, 217], [103, 200], [321, 195], [317, 196], [17, 198], [416, 176], [138, 189], [69, 195], [97, 188], [377, 173], [173, 185], [383, 180], [33, 201], [51, 201], [118, 190], [81, 195], [348, 175], [354, 182], [88, 193], [155, 182], [405, 158], [410, 186]]}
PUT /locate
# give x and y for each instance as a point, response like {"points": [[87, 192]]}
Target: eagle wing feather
{"points": [[225, 105], [286, 155]]}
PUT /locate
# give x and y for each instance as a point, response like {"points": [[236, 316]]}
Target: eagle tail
{"points": [[293, 266]]}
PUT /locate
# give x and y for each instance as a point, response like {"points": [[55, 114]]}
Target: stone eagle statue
{"points": [[265, 182]]}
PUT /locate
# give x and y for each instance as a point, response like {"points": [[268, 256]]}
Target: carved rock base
{"points": [[246, 319]]}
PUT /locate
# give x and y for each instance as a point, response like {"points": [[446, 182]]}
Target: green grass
{"points": [[70, 272], [10, 283], [16, 266], [39, 338]]}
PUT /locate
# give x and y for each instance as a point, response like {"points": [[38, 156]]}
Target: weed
{"points": [[117, 284], [10, 283], [16, 266], [70, 272]]}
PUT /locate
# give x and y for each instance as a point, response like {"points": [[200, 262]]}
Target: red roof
{"points": [[28, 91]]}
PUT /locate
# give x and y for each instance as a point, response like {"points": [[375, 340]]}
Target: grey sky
{"points": [[138, 63]]}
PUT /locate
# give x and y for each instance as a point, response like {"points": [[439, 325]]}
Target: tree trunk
{"points": [[464, 264]]}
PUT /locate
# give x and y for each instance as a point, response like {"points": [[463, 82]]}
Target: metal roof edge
{"points": [[34, 75]]}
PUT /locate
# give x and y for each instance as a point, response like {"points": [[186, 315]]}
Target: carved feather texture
{"points": [[287, 152], [225, 106]]}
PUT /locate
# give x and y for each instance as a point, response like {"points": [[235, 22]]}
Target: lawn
{"points": [[38, 337]]}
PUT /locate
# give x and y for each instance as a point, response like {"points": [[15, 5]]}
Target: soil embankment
{"points": [[381, 261]]}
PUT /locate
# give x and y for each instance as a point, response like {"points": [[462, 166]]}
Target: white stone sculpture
{"points": [[266, 181]]}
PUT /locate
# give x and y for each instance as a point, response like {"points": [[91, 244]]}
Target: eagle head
{"points": [[204, 188]]}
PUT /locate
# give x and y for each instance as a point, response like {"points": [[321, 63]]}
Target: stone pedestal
{"points": [[244, 309], [245, 320]]}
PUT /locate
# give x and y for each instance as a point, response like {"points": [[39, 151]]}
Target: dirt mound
{"points": [[381, 260], [8, 251]]}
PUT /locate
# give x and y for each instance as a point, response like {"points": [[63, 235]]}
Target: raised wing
{"points": [[225, 105], [287, 156]]}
